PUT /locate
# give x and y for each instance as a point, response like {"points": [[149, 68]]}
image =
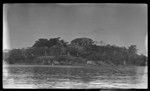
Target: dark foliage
{"points": [[78, 51]]}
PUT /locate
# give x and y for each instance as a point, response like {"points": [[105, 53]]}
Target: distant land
{"points": [[80, 51]]}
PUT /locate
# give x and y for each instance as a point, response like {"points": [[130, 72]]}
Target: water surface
{"points": [[55, 77]]}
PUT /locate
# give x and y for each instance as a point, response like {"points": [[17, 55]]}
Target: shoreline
{"points": [[117, 68], [35, 65], [124, 70], [72, 66]]}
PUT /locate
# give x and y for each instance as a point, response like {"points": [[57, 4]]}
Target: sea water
{"points": [[51, 77]]}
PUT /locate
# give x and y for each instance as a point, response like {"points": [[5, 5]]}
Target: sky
{"points": [[117, 24]]}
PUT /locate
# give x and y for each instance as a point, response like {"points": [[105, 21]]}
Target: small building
{"points": [[90, 62], [55, 62]]}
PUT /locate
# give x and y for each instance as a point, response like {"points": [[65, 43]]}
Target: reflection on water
{"points": [[50, 77]]}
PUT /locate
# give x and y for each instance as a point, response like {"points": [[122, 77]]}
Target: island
{"points": [[80, 52]]}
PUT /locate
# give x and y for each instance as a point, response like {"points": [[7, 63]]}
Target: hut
{"points": [[90, 62], [55, 62]]}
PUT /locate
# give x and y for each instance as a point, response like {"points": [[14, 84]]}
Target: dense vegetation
{"points": [[80, 51]]}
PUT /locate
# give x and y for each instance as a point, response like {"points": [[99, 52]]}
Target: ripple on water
{"points": [[38, 78]]}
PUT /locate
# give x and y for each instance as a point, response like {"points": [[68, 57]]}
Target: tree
{"points": [[41, 43], [56, 42], [53, 41], [140, 60], [84, 42], [16, 56], [132, 49], [59, 44]]}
